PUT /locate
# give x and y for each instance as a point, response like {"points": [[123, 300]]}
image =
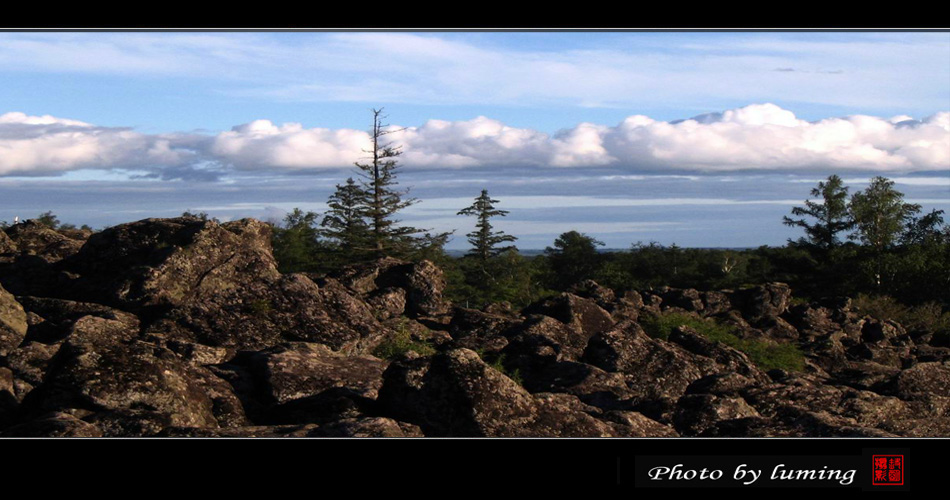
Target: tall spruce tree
{"points": [[832, 215], [484, 241], [380, 200], [343, 223]]}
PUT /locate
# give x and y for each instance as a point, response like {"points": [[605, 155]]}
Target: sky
{"points": [[695, 138]]}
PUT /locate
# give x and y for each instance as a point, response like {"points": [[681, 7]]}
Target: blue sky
{"points": [[697, 138]]}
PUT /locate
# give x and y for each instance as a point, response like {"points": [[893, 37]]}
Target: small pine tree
{"points": [[296, 242], [343, 223], [832, 214], [485, 241]]}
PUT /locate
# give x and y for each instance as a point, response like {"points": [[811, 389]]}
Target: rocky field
{"points": [[185, 327]]}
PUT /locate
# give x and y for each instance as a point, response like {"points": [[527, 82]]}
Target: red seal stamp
{"points": [[887, 470]]}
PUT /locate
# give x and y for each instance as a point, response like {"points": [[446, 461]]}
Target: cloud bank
{"points": [[758, 137], [46, 145]]}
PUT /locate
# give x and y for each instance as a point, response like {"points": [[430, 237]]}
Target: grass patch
{"points": [[401, 343], [765, 355], [498, 363], [260, 307]]}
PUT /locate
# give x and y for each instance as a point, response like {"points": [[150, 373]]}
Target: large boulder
{"points": [[759, 302], [170, 262], [51, 319], [265, 313], [590, 289], [7, 246], [103, 368], [653, 369], [54, 424], [454, 393], [198, 281], [583, 315], [697, 412], [541, 340], [423, 283], [298, 370], [34, 238], [921, 381], [592, 385], [481, 331], [13, 322], [687, 299]]}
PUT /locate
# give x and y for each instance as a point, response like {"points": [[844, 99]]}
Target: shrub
{"points": [[401, 343], [926, 317], [499, 364], [765, 355]]}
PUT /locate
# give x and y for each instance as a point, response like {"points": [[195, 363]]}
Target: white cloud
{"points": [[766, 137], [261, 144], [44, 145], [758, 137]]}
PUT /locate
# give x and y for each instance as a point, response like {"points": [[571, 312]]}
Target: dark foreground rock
{"points": [[185, 327]]}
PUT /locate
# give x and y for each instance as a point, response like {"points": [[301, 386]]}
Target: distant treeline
{"points": [[871, 242]]}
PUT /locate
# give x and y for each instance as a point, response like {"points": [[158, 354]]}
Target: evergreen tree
{"points": [[343, 223], [296, 242], [381, 201], [484, 241], [573, 258], [832, 214]]}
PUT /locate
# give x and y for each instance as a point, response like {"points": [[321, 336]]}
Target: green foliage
{"points": [[507, 277], [401, 343], [573, 258], [652, 265], [926, 317], [260, 308], [497, 362], [880, 214], [344, 225], [48, 219], [199, 215], [831, 215], [297, 245], [484, 240], [926, 230], [765, 355]]}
